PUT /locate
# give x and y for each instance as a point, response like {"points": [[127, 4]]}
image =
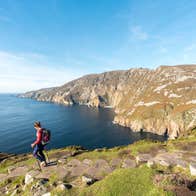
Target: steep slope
{"points": [[159, 101]]}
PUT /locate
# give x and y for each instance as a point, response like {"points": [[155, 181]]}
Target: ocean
{"points": [[70, 125]]}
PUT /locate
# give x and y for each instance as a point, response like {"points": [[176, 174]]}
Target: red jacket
{"points": [[39, 137]]}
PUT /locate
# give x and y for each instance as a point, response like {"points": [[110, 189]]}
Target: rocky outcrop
{"points": [[5, 156], [162, 101], [82, 169]]}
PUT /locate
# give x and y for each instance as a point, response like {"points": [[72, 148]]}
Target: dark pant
{"points": [[38, 152]]}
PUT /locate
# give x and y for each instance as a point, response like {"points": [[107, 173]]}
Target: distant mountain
{"points": [[159, 101]]}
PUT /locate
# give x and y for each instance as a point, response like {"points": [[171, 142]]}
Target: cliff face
{"points": [[159, 101]]}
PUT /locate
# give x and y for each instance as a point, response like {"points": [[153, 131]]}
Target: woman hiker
{"points": [[37, 146]]}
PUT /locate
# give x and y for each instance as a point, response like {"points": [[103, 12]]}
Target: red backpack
{"points": [[46, 135]]}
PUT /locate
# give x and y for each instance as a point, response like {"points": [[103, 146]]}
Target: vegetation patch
{"points": [[136, 181]]}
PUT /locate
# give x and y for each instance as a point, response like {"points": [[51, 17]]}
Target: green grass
{"points": [[144, 146], [71, 192], [126, 182], [104, 154]]}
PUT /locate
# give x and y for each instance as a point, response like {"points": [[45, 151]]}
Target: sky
{"points": [[48, 43]]}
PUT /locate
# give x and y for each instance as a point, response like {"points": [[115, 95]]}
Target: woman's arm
{"points": [[39, 138]]}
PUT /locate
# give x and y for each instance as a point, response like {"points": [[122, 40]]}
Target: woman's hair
{"points": [[37, 124]]}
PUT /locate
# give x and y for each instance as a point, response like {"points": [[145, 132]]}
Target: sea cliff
{"points": [[161, 101]]}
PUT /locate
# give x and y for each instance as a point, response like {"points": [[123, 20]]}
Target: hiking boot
{"points": [[43, 164]]}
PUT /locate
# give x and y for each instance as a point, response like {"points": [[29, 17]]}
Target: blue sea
{"points": [[70, 125]]}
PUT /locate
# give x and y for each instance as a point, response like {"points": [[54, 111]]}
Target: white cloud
{"points": [[138, 33], [21, 72]]}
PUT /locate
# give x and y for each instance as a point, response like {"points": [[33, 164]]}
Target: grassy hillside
{"points": [[126, 171]]}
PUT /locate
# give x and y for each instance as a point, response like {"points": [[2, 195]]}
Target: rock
{"points": [[61, 187], [79, 169], [10, 169], [100, 163], [28, 179], [87, 162], [64, 186], [128, 163], [181, 163], [47, 194], [143, 158], [168, 159], [3, 177], [18, 171], [69, 154], [16, 186], [99, 169], [43, 181], [60, 171], [116, 162], [30, 176], [62, 161], [103, 166], [165, 163], [73, 162], [4, 157], [88, 180], [68, 186], [38, 189], [150, 163], [77, 182], [192, 159], [192, 168], [15, 192], [98, 150]]}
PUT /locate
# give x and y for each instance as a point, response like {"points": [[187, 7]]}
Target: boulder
{"points": [[28, 179], [30, 176], [115, 162], [150, 163], [181, 163], [143, 158], [38, 189], [47, 194], [165, 163], [3, 177], [88, 180], [87, 162], [15, 192], [168, 159], [128, 163], [192, 168], [73, 162], [101, 163], [103, 166], [10, 169], [63, 186], [18, 171], [62, 161], [79, 169], [60, 171], [99, 169], [77, 182]]}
